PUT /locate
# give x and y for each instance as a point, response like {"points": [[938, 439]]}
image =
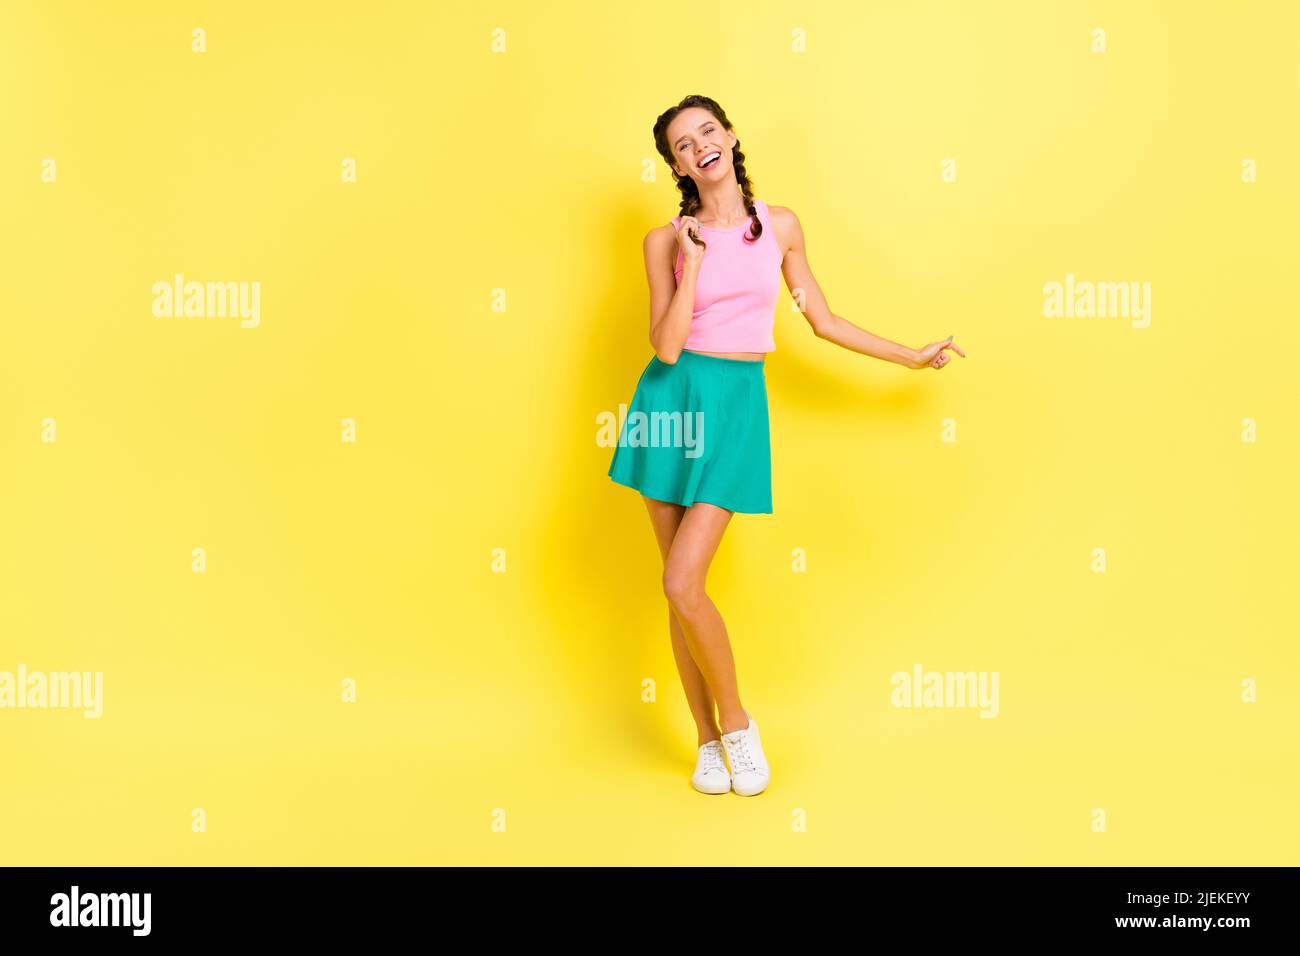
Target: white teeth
{"points": [[710, 160]]}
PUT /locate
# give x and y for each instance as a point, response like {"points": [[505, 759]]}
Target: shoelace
{"points": [[711, 759], [738, 752]]}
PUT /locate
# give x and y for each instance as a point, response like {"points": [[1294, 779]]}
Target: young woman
{"points": [[695, 442]]}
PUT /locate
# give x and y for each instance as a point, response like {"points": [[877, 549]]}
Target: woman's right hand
{"points": [[688, 235]]}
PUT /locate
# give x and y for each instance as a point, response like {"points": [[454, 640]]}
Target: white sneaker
{"points": [[710, 772], [749, 770]]}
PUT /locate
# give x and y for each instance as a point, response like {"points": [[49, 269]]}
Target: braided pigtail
{"points": [[747, 192]]}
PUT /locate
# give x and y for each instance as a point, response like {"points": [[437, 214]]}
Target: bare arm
{"points": [[825, 323], [672, 305]]}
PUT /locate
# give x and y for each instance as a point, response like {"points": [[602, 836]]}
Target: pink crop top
{"points": [[736, 289]]}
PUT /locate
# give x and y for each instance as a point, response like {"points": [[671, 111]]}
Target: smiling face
{"points": [[701, 146]]}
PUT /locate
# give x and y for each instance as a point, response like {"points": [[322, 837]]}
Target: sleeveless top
{"points": [[736, 288]]}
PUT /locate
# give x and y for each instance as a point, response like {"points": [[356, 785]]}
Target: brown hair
{"points": [[690, 194]]}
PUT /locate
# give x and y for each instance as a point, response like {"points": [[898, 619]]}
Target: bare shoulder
{"points": [[780, 212], [659, 234], [786, 225], [660, 237], [660, 244]]}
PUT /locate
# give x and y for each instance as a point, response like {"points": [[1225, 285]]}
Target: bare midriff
{"points": [[743, 356]]}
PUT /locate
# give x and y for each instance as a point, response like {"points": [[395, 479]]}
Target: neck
{"points": [[722, 203]]}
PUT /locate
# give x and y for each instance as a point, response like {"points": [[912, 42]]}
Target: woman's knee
{"points": [[684, 590]]}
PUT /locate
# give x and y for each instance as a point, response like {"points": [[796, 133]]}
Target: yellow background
{"points": [[523, 171]]}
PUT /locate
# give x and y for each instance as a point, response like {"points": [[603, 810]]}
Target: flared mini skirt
{"points": [[697, 430]]}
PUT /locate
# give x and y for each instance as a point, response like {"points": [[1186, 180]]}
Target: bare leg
{"points": [[666, 517], [685, 569]]}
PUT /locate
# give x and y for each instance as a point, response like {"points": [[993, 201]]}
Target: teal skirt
{"points": [[697, 430]]}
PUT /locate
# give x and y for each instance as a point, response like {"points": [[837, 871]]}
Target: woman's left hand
{"points": [[934, 356]]}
